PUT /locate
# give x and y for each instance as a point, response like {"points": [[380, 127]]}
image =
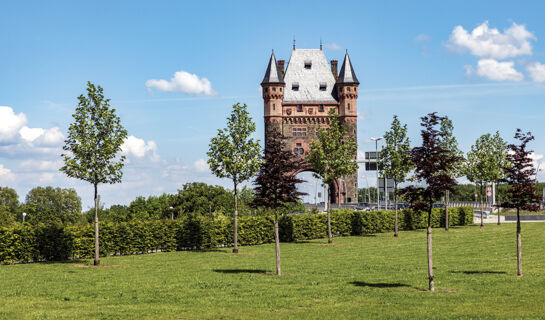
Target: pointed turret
{"points": [[347, 75], [272, 75]]}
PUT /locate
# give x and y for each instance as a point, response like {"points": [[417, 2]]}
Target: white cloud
{"points": [[183, 82], [332, 46], [201, 165], [363, 114], [16, 139], [5, 175], [136, 147], [491, 43], [498, 71], [10, 124], [422, 38], [536, 71], [41, 165]]}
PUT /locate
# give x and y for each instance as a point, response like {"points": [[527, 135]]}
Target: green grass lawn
{"points": [[356, 278]]}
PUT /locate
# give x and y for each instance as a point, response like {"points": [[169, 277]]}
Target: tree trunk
{"points": [[482, 207], [277, 243], [329, 236], [395, 204], [235, 236], [519, 247], [97, 247], [430, 261], [499, 210], [446, 210]]}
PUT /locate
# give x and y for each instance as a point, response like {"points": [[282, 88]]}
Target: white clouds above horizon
{"points": [[5, 175], [498, 71], [184, 82], [491, 45], [485, 42], [139, 148], [201, 165], [536, 71], [332, 46]]}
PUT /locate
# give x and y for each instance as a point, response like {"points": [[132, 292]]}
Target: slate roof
{"points": [[310, 79], [347, 74], [272, 75]]}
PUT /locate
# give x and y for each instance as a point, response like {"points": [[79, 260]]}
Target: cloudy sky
{"points": [[173, 69]]}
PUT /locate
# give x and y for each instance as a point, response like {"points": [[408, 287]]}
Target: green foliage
{"points": [[50, 205], [487, 160], [233, 154], [203, 199], [448, 142], [57, 242], [10, 208], [395, 159], [94, 140], [333, 155]]}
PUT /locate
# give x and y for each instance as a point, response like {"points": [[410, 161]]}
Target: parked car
{"points": [[438, 205]]}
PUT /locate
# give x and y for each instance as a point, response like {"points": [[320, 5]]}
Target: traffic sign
{"points": [[489, 191]]}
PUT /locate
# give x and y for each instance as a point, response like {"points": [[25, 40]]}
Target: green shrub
{"points": [[20, 243]]}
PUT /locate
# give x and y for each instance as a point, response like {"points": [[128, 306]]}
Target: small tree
{"points": [[276, 182], [449, 143], [521, 193], [431, 163], [395, 159], [234, 155], [94, 140], [332, 156], [485, 164]]}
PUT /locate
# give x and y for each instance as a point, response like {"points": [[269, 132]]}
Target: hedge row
{"points": [[23, 243]]}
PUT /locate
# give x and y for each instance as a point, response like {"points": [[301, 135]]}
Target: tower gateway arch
{"points": [[297, 98]]}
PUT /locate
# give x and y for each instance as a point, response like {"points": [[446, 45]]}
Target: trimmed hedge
{"points": [[24, 243]]}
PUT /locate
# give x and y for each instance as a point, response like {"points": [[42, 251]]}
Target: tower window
{"points": [[348, 89], [300, 108], [299, 132], [308, 64], [274, 89], [295, 86], [321, 108], [349, 106], [274, 106], [280, 89], [323, 86]]}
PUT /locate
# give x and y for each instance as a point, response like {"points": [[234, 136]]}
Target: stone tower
{"points": [[297, 101]]}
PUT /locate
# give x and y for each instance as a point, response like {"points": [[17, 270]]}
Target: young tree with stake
{"points": [[431, 163], [521, 193], [94, 141], [276, 182], [234, 155], [395, 159], [332, 156]]}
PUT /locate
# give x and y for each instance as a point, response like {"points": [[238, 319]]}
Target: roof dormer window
{"points": [[308, 64], [295, 86], [323, 86]]}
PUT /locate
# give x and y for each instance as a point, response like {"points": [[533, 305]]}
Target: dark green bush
{"points": [[20, 243]]}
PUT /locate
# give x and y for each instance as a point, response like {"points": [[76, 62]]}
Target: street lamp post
{"points": [[171, 213], [377, 139], [24, 215]]}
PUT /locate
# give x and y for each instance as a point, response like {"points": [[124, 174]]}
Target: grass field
{"points": [[355, 278]]}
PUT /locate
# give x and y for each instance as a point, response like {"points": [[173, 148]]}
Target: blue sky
{"points": [[411, 58]]}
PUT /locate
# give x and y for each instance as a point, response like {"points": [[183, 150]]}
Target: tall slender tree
{"points": [[522, 192], [484, 164], [395, 159], [276, 182], [449, 143], [234, 155], [431, 163], [332, 156], [94, 141]]}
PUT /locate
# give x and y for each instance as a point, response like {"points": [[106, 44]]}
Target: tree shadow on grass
{"points": [[380, 284], [240, 271], [479, 272]]}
